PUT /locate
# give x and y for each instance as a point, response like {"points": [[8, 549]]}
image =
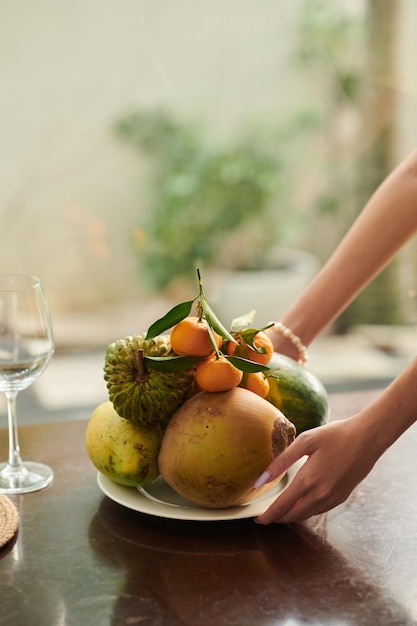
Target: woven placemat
{"points": [[9, 520]]}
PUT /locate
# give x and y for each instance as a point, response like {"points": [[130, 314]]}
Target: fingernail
{"points": [[262, 480]]}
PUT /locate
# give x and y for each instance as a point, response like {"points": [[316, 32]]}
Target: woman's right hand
{"points": [[340, 455]]}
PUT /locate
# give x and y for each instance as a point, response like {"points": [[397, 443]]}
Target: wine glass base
{"points": [[29, 477]]}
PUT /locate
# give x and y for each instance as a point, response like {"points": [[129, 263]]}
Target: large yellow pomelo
{"points": [[217, 444]]}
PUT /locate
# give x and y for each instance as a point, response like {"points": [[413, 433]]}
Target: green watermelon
{"points": [[297, 392]]}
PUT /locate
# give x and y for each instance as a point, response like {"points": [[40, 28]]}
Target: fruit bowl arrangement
{"points": [[205, 408]]}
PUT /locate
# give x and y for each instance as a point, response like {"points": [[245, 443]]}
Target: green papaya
{"points": [[297, 392]]}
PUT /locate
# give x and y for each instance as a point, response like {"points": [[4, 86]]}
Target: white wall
{"points": [[69, 196]]}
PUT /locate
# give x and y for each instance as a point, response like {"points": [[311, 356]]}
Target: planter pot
{"points": [[269, 291]]}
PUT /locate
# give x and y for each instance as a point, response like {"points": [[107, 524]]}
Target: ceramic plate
{"points": [[160, 500]]}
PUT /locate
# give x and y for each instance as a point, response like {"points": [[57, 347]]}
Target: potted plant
{"points": [[217, 207]]}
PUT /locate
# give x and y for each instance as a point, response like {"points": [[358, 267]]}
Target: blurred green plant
{"points": [[330, 54], [343, 50], [203, 195], [227, 206]]}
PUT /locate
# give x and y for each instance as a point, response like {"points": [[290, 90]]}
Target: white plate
{"points": [[160, 500]]}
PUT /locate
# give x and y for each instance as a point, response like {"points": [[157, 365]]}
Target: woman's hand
{"points": [[340, 455]]}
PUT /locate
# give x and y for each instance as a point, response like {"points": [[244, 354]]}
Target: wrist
{"points": [[284, 337]]}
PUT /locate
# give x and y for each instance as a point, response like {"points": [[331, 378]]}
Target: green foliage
{"points": [[334, 47], [181, 311], [330, 37], [332, 50], [201, 194], [226, 206]]}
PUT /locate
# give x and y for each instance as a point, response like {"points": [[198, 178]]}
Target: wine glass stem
{"points": [[15, 459]]}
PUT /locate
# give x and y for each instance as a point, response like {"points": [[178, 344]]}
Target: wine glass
{"points": [[26, 348]]}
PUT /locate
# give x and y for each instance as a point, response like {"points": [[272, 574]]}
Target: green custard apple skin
{"points": [[297, 392], [122, 451], [147, 397]]}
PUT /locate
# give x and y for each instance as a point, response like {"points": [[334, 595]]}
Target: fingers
{"points": [[307, 494], [290, 505], [303, 509], [286, 512], [281, 463], [302, 499], [314, 489]]}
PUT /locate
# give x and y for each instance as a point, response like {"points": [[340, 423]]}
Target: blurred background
{"points": [[140, 140]]}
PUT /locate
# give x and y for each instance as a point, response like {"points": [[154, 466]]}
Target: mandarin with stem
{"points": [[257, 383], [191, 337], [261, 341], [216, 373]]}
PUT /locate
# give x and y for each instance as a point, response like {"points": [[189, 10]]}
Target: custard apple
{"points": [[140, 395]]}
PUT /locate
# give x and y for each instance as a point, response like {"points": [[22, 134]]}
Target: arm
{"points": [[349, 447], [388, 220], [352, 446]]}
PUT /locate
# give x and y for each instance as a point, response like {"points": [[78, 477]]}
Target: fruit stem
{"points": [[141, 373], [199, 310]]}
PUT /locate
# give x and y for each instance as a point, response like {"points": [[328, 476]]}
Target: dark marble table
{"points": [[80, 559]]}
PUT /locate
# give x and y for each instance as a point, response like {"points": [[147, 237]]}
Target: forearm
{"points": [[388, 220], [392, 413]]}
